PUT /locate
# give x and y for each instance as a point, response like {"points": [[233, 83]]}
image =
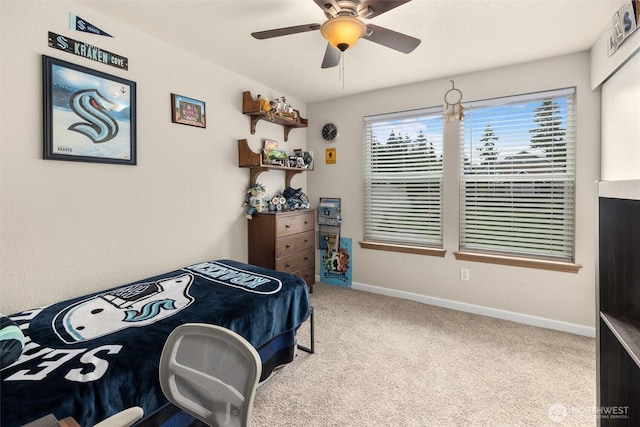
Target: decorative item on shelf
{"points": [[304, 159], [278, 158], [284, 110], [255, 200], [295, 161], [256, 164], [277, 203], [279, 113], [266, 106], [296, 199], [453, 110], [269, 145]]}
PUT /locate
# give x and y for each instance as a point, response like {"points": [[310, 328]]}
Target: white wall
{"points": [[566, 300], [621, 123], [69, 228]]}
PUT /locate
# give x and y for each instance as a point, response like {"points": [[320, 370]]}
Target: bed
{"points": [[95, 355]]}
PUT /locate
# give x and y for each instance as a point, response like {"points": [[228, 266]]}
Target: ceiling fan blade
{"points": [[371, 8], [261, 35], [392, 39], [331, 57]]}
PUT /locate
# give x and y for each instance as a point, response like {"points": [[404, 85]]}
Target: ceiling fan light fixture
{"points": [[343, 32]]}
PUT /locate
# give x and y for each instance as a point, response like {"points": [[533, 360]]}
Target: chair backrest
{"points": [[210, 372], [124, 418]]}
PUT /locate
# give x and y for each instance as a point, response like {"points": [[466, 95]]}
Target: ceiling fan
{"points": [[344, 28]]}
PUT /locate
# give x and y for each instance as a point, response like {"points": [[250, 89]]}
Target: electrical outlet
{"points": [[464, 274]]}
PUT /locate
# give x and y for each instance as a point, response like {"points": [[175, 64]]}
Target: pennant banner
{"points": [[79, 24], [86, 50]]}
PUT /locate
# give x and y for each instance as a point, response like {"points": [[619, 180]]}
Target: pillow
{"points": [[11, 341]]}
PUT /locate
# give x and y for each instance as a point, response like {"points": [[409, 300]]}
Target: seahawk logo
{"points": [[135, 305]]}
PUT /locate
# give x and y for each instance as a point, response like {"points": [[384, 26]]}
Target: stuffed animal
{"points": [[265, 106], [277, 202], [255, 200], [296, 199]]}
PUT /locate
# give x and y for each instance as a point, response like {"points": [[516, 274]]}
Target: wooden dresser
{"points": [[284, 241]]}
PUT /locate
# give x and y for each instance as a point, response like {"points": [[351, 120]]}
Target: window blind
{"points": [[403, 178], [517, 164]]}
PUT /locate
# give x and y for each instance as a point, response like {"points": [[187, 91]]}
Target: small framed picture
{"points": [[188, 111], [88, 116]]}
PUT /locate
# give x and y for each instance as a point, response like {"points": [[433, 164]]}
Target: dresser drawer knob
{"points": [[287, 246], [287, 226]]}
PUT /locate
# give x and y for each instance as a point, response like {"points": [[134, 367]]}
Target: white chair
{"points": [[211, 373], [123, 418]]}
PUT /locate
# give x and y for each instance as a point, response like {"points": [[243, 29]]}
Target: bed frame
{"points": [[93, 356]]}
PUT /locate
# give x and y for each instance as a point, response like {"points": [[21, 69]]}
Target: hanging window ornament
{"points": [[453, 110]]}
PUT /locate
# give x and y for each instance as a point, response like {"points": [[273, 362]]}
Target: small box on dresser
{"points": [[284, 241]]}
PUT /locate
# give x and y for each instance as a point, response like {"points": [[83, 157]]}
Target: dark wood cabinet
{"points": [[618, 327], [284, 241]]}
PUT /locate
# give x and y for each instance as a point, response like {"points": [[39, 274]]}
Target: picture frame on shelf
{"points": [[188, 111], [88, 115], [269, 145], [306, 156]]}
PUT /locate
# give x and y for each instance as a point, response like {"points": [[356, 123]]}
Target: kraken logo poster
{"points": [[88, 115]]}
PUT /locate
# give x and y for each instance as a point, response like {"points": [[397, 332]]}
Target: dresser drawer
{"points": [[295, 223], [308, 275], [289, 245], [296, 262]]}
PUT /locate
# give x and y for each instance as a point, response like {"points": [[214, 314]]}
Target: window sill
{"points": [[541, 264], [419, 250]]}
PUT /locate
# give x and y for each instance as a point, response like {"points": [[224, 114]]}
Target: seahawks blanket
{"points": [[93, 356]]}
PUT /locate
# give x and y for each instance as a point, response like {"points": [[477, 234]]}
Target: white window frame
{"points": [[403, 184], [538, 220]]}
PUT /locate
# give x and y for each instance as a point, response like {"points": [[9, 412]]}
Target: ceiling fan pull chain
{"points": [[341, 73]]}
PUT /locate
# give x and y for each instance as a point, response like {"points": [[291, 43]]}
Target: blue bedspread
{"points": [[93, 356]]}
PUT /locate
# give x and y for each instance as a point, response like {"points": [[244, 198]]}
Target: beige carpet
{"points": [[383, 361]]}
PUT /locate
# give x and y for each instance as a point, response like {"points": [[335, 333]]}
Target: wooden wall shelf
{"points": [[251, 108], [247, 158]]}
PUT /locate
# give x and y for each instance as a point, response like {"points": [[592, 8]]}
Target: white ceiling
{"points": [[458, 36]]}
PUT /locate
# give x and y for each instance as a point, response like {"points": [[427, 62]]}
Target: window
{"points": [[403, 178], [517, 169]]}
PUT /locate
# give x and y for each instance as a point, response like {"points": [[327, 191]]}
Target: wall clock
{"points": [[329, 132]]}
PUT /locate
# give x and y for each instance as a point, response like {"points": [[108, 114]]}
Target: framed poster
{"points": [[89, 116], [187, 111]]}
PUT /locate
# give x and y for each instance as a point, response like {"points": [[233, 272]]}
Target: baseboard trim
{"points": [[526, 319]]}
